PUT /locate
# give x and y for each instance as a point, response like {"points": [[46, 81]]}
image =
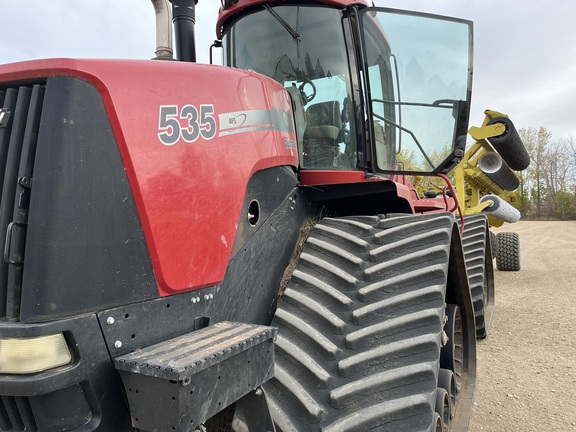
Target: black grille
{"points": [[21, 109], [16, 415]]}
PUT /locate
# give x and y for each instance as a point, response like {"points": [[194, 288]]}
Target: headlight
{"points": [[34, 354]]}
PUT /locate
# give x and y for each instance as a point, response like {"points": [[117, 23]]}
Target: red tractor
{"points": [[239, 247]]}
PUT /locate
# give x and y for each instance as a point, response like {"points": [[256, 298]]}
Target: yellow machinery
{"points": [[484, 172], [485, 182]]}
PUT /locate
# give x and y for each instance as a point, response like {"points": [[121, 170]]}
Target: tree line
{"points": [[548, 186]]}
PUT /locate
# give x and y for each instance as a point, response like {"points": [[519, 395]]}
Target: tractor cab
{"points": [[373, 89]]}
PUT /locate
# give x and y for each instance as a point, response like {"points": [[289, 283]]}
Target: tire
{"points": [[479, 266], [508, 258], [509, 145], [359, 327]]}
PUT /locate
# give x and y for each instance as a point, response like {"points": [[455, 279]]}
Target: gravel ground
{"points": [[527, 365]]}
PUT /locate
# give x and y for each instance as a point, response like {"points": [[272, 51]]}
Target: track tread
{"points": [[475, 241], [359, 326]]}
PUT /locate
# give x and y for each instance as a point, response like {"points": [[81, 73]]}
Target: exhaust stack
{"points": [[184, 19], [163, 29]]}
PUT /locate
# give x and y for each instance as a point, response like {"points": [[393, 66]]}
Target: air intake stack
{"points": [[184, 19]]}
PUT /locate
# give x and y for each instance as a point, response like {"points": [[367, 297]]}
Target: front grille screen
{"points": [[21, 110]]}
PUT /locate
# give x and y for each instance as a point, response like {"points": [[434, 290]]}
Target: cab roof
{"points": [[236, 8]]}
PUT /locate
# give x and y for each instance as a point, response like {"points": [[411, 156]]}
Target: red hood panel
{"points": [[188, 184]]}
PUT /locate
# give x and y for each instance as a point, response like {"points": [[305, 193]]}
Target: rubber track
{"points": [[474, 242], [359, 327], [494, 244]]}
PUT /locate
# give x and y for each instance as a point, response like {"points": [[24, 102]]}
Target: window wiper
{"points": [[282, 21]]}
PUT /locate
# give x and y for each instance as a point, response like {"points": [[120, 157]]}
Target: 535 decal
{"points": [[187, 123]]}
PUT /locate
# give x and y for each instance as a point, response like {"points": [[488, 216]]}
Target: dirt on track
{"points": [[527, 364]]}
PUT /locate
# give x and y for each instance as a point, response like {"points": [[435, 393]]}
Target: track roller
{"points": [[452, 354], [438, 426], [446, 381], [443, 407]]}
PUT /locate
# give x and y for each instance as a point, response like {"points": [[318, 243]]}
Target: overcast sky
{"points": [[524, 63]]}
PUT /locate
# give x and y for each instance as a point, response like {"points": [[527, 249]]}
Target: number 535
{"points": [[187, 123]]}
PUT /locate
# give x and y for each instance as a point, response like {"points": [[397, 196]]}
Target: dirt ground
{"points": [[527, 365]]}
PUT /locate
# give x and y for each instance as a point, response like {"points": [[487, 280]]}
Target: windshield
{"points": [[303, 48], [419, 80]]}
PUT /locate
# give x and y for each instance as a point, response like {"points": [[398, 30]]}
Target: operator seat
{"points": [[324, 123], [299, 116]]}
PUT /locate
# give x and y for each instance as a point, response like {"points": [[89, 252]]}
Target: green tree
{"points": [[565, 205], [536, 142]]}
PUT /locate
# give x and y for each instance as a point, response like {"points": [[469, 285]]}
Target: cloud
{"points": [[525, 55], [525, 58]]}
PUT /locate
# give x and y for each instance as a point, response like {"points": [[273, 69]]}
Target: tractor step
{"points": [[180, 383]]}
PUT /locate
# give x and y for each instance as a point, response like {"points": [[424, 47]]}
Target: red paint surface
{"points": [[323, 177], [188, 195]]}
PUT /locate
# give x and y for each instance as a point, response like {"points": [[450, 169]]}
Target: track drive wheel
{"points": [[477, 253], [508, 258], [360, 328]]}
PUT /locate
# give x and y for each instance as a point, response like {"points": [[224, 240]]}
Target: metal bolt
{"points": [[258, 391], [206, 297], [211, 296], [110, 320], [292, 208], [193, 300], [118, 344]]}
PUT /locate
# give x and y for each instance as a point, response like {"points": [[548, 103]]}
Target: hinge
{"points": [[25, 183], [19, 259]]}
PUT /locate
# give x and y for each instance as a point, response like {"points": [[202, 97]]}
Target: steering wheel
{"points": [[306, 97]]}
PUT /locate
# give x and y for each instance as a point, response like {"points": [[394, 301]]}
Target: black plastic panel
{"points": [[352, 199], [62, 410], [249, 290], [83, 395], [266, 190], [16, 415], [85, 249], [196, 375]]}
